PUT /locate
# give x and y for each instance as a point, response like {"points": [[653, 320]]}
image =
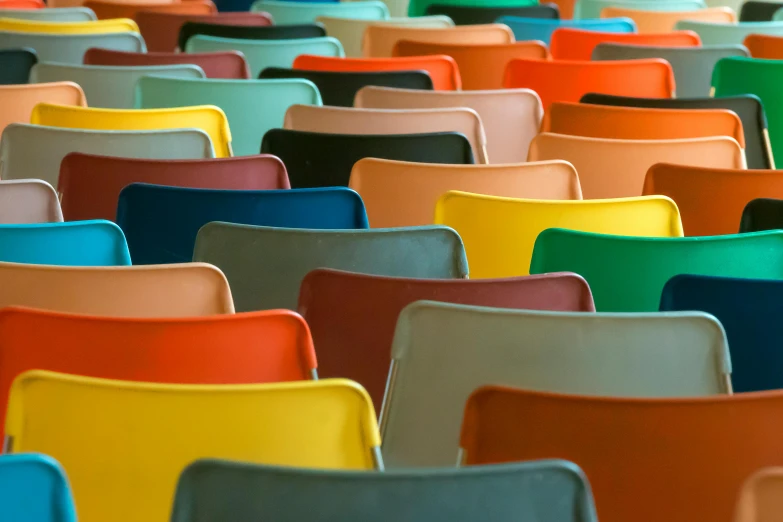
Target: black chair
{"points": [[469, 15], [315, 159], [249, 32], [762, 214], [15, 65], [759, 11], [747, 106], [340, 88]]}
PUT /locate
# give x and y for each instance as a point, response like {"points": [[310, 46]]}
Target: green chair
{"points": [[419, 7], [52, 14], [252, 106], [592, 8], [627, 274], [70, 48], [723, 33], [265, 265], [306, 12], [261, 54]]}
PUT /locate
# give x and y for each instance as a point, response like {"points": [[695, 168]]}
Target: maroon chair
{"points": [[352, 316], [90, 185], [228, 65]]}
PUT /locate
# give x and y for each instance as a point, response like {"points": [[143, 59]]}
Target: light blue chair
{"points": [[306, 12], [70, 48], [541, 29], [725, 34], [52, 14], [592, 8], [34, 488]]}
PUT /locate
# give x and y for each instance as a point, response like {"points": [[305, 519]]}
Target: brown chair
{"points": [[761, 497], [106, 10], [161, 30], [379, 40], [28, 201], [230, 65], [17, 101]]}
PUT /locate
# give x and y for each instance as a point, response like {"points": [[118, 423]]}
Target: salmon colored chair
{"points": [[648, 460], [568, 81], [765, 46], [760, 496], [22, 4], [119, 25], [17, 101], [578, 44], [443, 70], [480, 66], [161, 29], [665, 21], [26, 201], [379, 40], [230, 65], [403, 194], [105, 9], [616, 168]]}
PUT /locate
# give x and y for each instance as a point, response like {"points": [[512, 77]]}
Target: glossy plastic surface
{"points": [[578, 44], [229, 65], [69, 48], [28, 201], [161, 29], [526, 29], [34, 488], [379, 40], [17, 101]]}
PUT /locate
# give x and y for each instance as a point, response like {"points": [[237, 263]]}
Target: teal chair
{"points": [[252, 106], [70, 48], [419, 7], [306, 12], [541, 29], [724, 34], [34, 488], [627, 274], [593, 8], [52, 14], [261, 54], [75, 243]]}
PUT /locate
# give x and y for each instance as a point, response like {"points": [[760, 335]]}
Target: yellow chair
{"points": [[123, 444], [118, 25], [208, 118], [499, 233]]}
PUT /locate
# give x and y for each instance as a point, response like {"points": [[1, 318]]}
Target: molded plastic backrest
{"points": [[353, 316], [473, 15], [712, 33], [68, 48], [535, 29], [15, 65], [664, 21], [401, 193], [762, 214], [24, 4], [613, 265], [442, 352], [328, 424], [587, 9], [249, 32], [161, 29], [578, 44], [226, 65], [499, 233], [759, 11], [379, 40], [511, 117], [316, 159], [306, 12], [419, 7], [107, 10], [34, 488], [17, 101], [28, 201], [764, 46], [759, 498], [90, 185], [51, 14], [120, 25], [266, 265], [187, 290]]}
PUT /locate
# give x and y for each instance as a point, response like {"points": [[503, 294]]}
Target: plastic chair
{"points": [[612, 264], [420, 7], [480, 66], [15, 65], [52, 14], [379, 40], [110, 465], [578, 44], [230, 65], [249, 32], [161, 29], [23, 4], [35, 489], [587, 9], [353, 316], [762, 214], [208, 118], [664, 21], [759, 11], [759, 498], [334, 120], [266, 265], [28, 201], [186, 290], [499, 233], [475, 15], [22, 157], [17, 101], [764, 46], [90, 185], [67, 48], [315, 159], [526, 29], [747, 107], [107, 10], [399, 193], [712, 33], [306, 12], [511, 117], [568, 81], [121, 25]]}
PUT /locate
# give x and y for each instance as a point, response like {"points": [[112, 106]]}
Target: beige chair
{"points": [[17, 101], [28, 201], [511, 117], [379, 40], [401, 194], [664, 21], [761, 497], [342, 120]]}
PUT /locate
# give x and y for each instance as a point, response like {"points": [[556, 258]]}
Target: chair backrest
{"points": [[479, 14], [308, 12], [764, 46], [105, 9], [442, 352], [266, 265], [526, 29], [90, 185], [759, 11], [229, 65], [28, 201], [401, 193], [419, 7], [17, 101], [511, 117], [759, 498], [24, 4], [663, 21], [68, 48], [587, 9], [762, 214], [109, 465], [34, 488], [209, 118], [379, 40], [161, 29], [249, 32], [315, 159], [51, 14], [713, 33], [613, 265], [15, 65], [578, 44], [120, 25]]}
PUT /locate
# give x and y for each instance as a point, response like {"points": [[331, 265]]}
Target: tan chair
{"points": [[761, 497], [379, 40], [401, 194], [28, 201], [664, 21], [511, 117], [341, 120], [616, 168], [177, 290], [17, 101]]}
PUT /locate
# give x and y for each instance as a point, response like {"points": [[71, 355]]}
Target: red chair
{"points": [[226, 64], [22, 4], [578, 44], [161, 30], [106, 10]]}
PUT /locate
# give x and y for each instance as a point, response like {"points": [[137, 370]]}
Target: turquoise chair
{"points": [[75, 243], [52, 14], [541, 29], [70, 48], [593, 8], [306, 12], [261, 54], [34, 488], [252, 106], [724, 34]]}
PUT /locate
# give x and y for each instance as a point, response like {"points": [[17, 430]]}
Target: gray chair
{"points": [[52, 14], [544, 491], [265, 265], [70, 48], [35, 152], [692, 65], [27, 201]]}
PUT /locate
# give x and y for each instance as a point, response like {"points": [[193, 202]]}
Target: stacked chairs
{"points": [[161, 30], [525, 29], [654, 21], [28, 201], [379, 40], [25, 480]]}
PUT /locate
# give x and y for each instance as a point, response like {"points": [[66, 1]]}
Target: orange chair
{"points": [[442, 69], [578, 44], [765, 46], [480, 66], [17, 101], [665, 21], [648, 460], [22, 4], [105, 9], [379, 40], [561, 80], [761, 497]]}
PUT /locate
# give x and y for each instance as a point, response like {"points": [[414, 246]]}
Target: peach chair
{"points": [[616, 168], [105, 9], [17, 101], [664, 21], [511, 117], [24, 201], [577, 44], [765, 46], [761, 496], [379, 40], [403, 194], [342, 120]]}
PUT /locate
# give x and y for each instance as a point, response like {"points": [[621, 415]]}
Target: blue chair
{"points": [[750, 313], [161, 223], [541, 29], [34, 488], [74, 243]]}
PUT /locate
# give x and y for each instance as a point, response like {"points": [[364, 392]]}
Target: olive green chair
{"points": [[52, 14], [712, 33], [70, 48], [592, 8], [306, 12]]}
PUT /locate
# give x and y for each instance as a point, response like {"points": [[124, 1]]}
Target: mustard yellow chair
{"points": [[123, 444], [499, 233], [117, 25], [208, 118]]}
